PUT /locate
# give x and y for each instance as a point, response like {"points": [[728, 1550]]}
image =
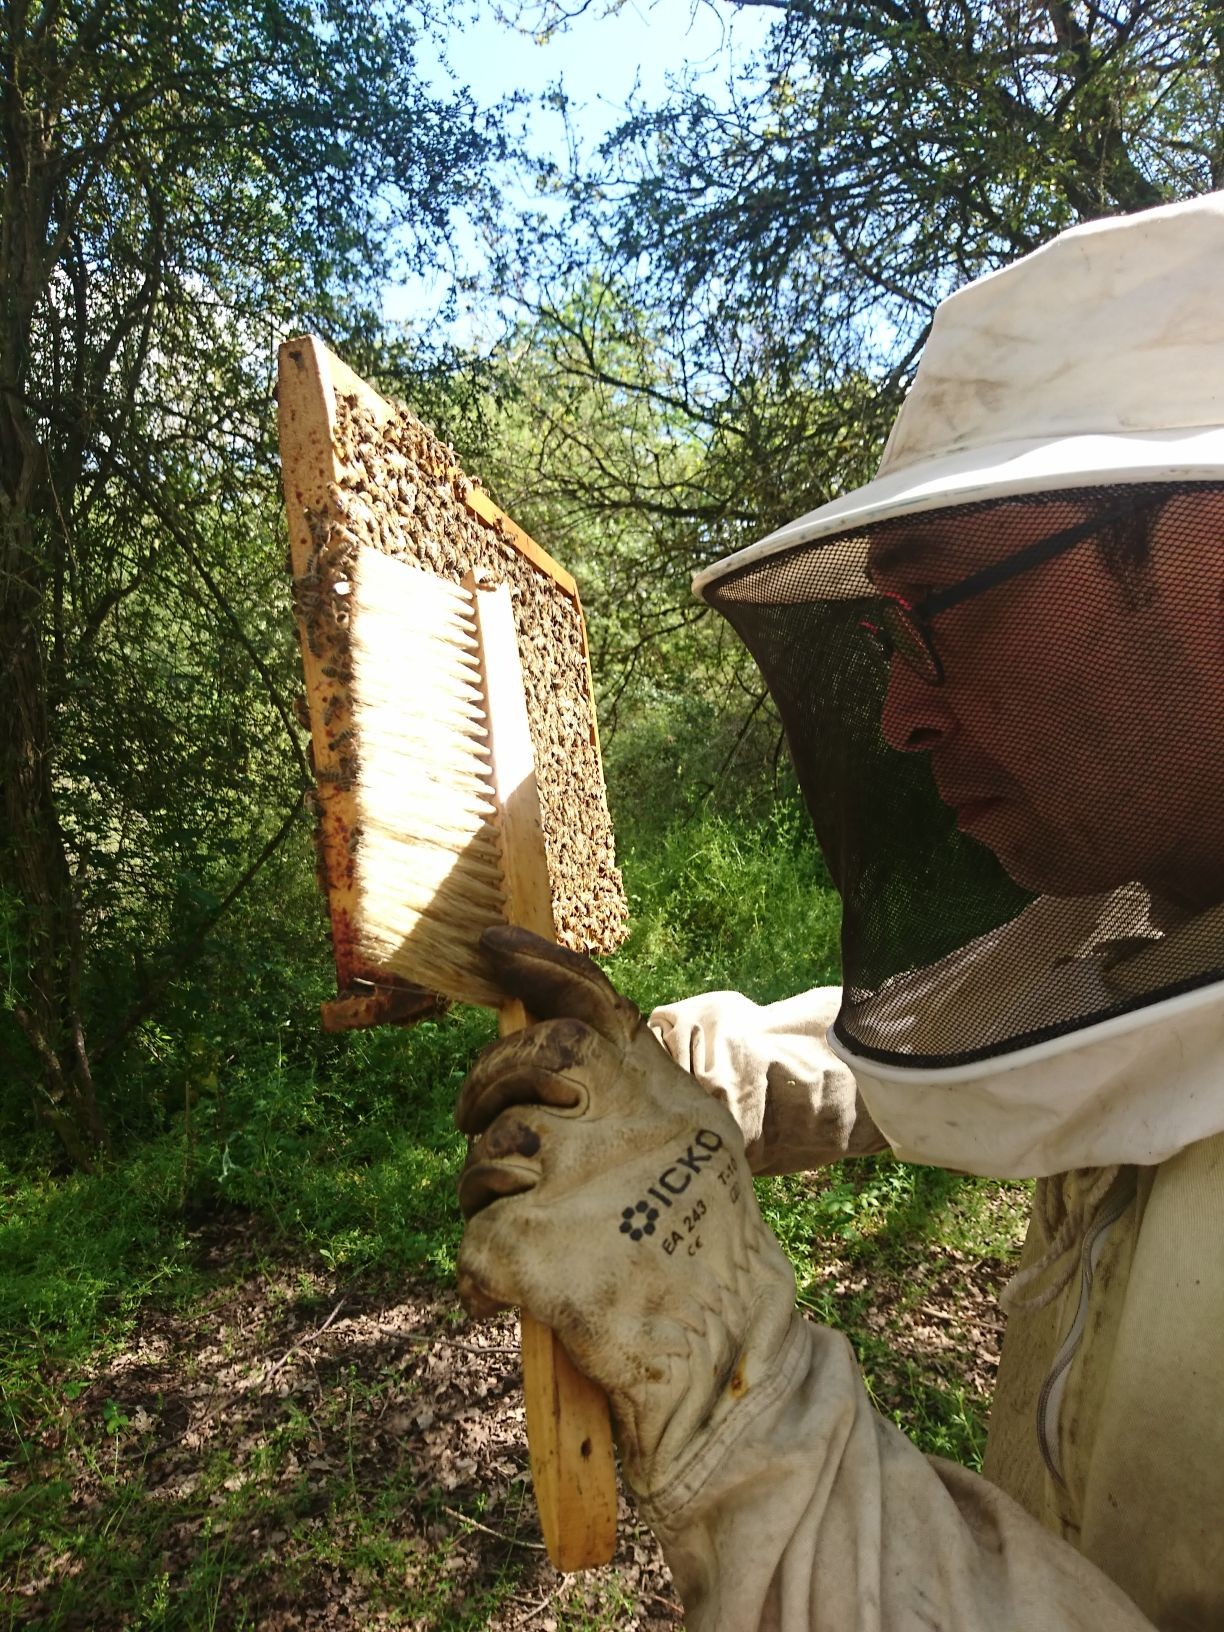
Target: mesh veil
{"points": [[946, 958]]}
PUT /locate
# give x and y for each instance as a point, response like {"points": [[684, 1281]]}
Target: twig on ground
{"points": [[456, 1343], [473, 1348], [302, 1342], [510, 1541], [668, 1603], [532, 1613]]}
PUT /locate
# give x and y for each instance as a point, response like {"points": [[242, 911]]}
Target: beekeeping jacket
{"points": [[1074, 1039], [1108, 1422]]}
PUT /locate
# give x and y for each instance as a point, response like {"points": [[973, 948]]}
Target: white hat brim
{"points": [[1003, 471]]}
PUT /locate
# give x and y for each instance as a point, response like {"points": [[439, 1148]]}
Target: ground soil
{"points": [[382, 1434]]}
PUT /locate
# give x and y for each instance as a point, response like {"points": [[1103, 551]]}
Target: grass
{"points": [[289, 1501], [875, 1243], [718, 904], [255, 1529], [345, 1158]]}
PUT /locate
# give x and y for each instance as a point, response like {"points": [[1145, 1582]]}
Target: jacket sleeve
{"points": [[808, 1512], [796, 1103]]}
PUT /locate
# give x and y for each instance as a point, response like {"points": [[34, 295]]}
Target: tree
{"points": [[883, 153], [600, 447], [183, 184]]}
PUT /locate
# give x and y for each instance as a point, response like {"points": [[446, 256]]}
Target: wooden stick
{"points": [[569, 1432]]}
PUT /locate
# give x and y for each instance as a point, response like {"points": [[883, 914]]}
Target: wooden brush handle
{"points": [[569, 1433], [569, 1426], [569, 1441]]}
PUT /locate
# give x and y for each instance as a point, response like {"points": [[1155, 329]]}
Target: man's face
{"points": [[1079, 733]]}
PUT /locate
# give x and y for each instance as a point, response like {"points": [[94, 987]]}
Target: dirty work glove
{"points": [[609, 1196]]}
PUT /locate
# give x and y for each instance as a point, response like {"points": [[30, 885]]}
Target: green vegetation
{"points": [[344, 1146], [331, 1162]]}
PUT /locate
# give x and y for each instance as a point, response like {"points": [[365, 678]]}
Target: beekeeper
{"points": [[1000, 666]]}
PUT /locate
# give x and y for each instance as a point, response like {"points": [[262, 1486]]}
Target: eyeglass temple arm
{"points": [[1045, 549]]}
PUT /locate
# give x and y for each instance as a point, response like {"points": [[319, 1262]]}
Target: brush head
{"points": [[400, 489], [429, 873]]}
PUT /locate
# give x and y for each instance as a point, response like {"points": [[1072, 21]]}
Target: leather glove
{"points": [[609, 1196]]}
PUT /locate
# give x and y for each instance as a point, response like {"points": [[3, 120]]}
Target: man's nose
{"points": [[916, 715]]}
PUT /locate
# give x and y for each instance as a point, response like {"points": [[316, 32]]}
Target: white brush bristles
{"points": [[428, 862]]}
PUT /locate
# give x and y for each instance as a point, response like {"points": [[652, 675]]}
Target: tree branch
{"points": [[179, 533], [187, 953]]}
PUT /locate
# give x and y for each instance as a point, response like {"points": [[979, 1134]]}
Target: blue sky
{"points": [[599, 57], [602, 62]]}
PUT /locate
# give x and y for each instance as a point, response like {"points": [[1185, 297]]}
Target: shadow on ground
{"points": [[294, 1452]]}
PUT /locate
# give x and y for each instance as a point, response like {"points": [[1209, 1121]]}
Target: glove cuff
{"points": [[667, 1507]]}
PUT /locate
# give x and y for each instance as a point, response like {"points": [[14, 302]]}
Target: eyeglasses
{"points": [[904, 628]]}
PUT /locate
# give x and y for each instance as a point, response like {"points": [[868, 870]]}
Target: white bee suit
{"points": [[1000, 670], [1108, 1425]]}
